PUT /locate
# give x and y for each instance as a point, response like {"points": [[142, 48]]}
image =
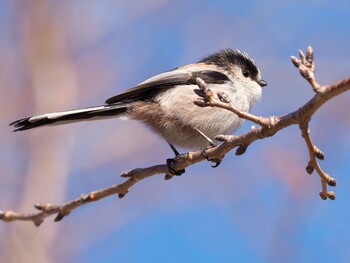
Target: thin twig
{"points": [[307, 67], [313, 164], [209, 100]]}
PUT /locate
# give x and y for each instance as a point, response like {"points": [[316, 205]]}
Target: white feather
{"points": [[56, 115]]}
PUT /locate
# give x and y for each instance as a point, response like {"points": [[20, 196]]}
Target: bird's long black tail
{"points": [[64, 117]]}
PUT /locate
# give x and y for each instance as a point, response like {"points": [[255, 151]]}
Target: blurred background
{"points": [[259, 207]]}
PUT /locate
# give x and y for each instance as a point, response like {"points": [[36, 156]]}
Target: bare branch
{"points": [[63, 210], [314, 153], [209, 100], [306, 66], [267, 127]]}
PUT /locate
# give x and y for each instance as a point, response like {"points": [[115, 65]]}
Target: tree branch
{"points": [[267, 127], [224, 103]]}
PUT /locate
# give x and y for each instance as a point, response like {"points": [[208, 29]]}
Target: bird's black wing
{"points": [[148, 88]]}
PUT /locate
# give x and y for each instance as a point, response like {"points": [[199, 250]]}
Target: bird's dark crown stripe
{"points": [[226, 57]]}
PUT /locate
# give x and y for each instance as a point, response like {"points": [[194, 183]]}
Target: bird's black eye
{"points": [[246, 73]]}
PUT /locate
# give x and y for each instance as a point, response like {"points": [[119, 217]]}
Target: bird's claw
{"points": [[169, 163], [216, 161]]}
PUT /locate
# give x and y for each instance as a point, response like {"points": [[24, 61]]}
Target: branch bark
{"points": [[268, 126]]}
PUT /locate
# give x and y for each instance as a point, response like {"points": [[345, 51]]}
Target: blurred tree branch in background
{"points": [[268, 126], [48, 71]]}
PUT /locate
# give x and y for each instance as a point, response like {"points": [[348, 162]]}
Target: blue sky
{"points": [[259, 207]]}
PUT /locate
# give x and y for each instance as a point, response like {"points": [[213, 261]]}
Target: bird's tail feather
{"points": [[63, 117]]}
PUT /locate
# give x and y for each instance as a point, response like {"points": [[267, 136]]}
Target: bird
{"points": [[166, 102]]}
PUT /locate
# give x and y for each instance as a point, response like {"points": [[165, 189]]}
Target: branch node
{"points": [[209, 96], [323, 195], [310, 168], [91, 196], [331, 195], [295, 61], [310, 55], [201, 102], [121, 195], [223, 97], [39, 206], [241, 150], [84, 197], [332, 181], [168, 177], [302, 56], [58, 218], [318, 153], [38, 222], [126, 174]]}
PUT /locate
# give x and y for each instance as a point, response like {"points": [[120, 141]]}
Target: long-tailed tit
{"points": [[165, 102]]}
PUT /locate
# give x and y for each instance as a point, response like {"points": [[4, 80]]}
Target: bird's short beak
{"points": [[262, 83]]}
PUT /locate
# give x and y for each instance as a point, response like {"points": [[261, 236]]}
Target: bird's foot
{"points": [[204, 154], [170, 162]]}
